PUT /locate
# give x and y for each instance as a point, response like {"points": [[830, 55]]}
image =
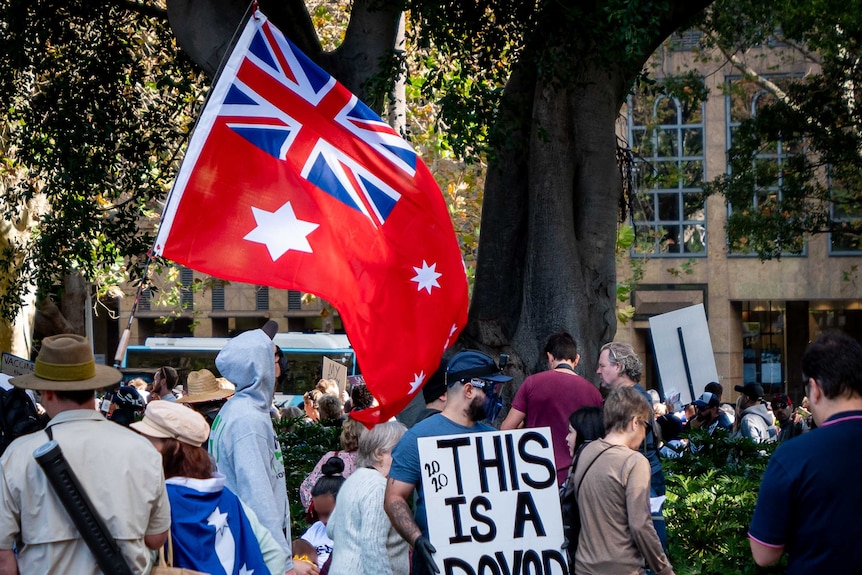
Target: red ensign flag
{"points": [[291, 181]]}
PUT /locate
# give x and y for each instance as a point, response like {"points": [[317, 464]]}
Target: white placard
{"points": [[333, 370], [698, 350], [493, 504], [14, 365]]}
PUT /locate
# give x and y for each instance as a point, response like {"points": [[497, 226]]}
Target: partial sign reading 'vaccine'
{"points": [[493, 503]]}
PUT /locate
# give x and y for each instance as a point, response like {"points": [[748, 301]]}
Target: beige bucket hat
{"points": [[166, 419]]}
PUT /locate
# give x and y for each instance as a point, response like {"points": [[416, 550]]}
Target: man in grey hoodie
{"points": [[242, 440], [757, 422]]}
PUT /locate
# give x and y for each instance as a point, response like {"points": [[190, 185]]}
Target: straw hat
{"points": [[66, 363], [166, 419], [203, 386]]}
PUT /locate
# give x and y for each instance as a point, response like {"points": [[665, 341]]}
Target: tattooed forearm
{"points": [[399, 512]]}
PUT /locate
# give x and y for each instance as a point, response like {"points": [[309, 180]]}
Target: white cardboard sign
{"points": [[666, 329], [493, 503], [333, 370], [14, 365]]}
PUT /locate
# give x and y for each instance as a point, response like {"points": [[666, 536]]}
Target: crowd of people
{"points": [[197, 469]]}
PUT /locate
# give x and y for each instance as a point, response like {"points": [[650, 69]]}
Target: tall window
{"points": [[846, 213], [667, 139], [144, 303], [743, 101], [294, 300], [218, 295], [846, 239], [187, 294], [261, 298]]}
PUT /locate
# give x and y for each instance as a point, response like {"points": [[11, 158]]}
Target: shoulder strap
{"points": [[50, 431], [588, 468], [572, 466]]}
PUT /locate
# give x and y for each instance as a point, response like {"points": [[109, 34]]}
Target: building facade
{"points": [[761, 314]]}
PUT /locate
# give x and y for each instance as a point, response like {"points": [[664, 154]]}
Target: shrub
{"points": [[302, 446], [711, 496]]}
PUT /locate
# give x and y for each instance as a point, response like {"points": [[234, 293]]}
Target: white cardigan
{"points": [[365, 543]]}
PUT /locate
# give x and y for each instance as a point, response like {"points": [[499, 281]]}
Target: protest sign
{"points": [[334, 370], [14, 365], [683, 351], [493, 504]]}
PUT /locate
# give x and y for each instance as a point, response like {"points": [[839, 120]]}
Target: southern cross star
{"points": [[417, 382], [426, 277], [281, 231]]}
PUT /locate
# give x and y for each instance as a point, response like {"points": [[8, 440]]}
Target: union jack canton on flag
{"points": [[291, 181]]}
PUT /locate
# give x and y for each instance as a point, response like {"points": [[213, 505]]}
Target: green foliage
{"points": [[711, 496], [687, 268], [625, 241], [302, 446], [812, 186], [95, 103], [473, 48]]}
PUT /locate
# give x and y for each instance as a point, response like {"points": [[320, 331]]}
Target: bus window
{"points": [[304, 352]]}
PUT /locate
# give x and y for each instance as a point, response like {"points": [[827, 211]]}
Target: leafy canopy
{"points": [[95, 102], [813, 185]]}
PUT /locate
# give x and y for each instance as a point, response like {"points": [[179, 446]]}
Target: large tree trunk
{"points": [[546, 259], [16, 336], [546, 254]]}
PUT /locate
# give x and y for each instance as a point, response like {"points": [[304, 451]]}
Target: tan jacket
{"points": [[617, 534]]}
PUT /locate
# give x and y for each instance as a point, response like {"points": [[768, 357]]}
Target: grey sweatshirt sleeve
{"points": [[251, 455]]}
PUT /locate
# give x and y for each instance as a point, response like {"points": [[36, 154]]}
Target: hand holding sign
{"points": [[424, 551]]}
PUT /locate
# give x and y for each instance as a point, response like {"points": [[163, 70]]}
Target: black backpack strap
{"points": [[50, 431]]}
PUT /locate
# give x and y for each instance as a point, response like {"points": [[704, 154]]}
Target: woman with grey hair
{"points": [[365, 543], [612, 480]]}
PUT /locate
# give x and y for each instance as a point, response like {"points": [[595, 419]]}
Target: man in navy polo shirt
{"points": [[809, 499]]}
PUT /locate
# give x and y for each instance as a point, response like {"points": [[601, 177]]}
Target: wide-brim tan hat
{"points": [[66, 363], [203, 386]]}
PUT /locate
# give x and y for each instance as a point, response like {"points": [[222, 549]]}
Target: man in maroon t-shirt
{"points": [[547, 399]]}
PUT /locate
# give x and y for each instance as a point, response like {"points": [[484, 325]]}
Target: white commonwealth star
{"points": [[244, 570], [217, 519], [417, 382], [426, 277], [281, 231]]}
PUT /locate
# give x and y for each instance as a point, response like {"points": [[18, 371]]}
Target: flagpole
{"points": [[127, 333], [145, 279]]}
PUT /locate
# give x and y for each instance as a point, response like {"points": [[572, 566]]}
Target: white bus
{"points": [[304, 353]]}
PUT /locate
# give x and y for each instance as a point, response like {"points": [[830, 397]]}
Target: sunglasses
{"points": [[780, 406], [489, 387]]}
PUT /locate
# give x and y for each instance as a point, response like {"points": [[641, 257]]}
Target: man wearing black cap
{"points": [[756, 422], [790, 424], [709, 414], [472, 379]]}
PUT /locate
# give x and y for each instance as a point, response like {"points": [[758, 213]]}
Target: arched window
{"points": [[667, 140]]}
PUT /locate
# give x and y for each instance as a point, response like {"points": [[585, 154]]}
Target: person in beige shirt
{"points": [[120, 471], [617, 533]]}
